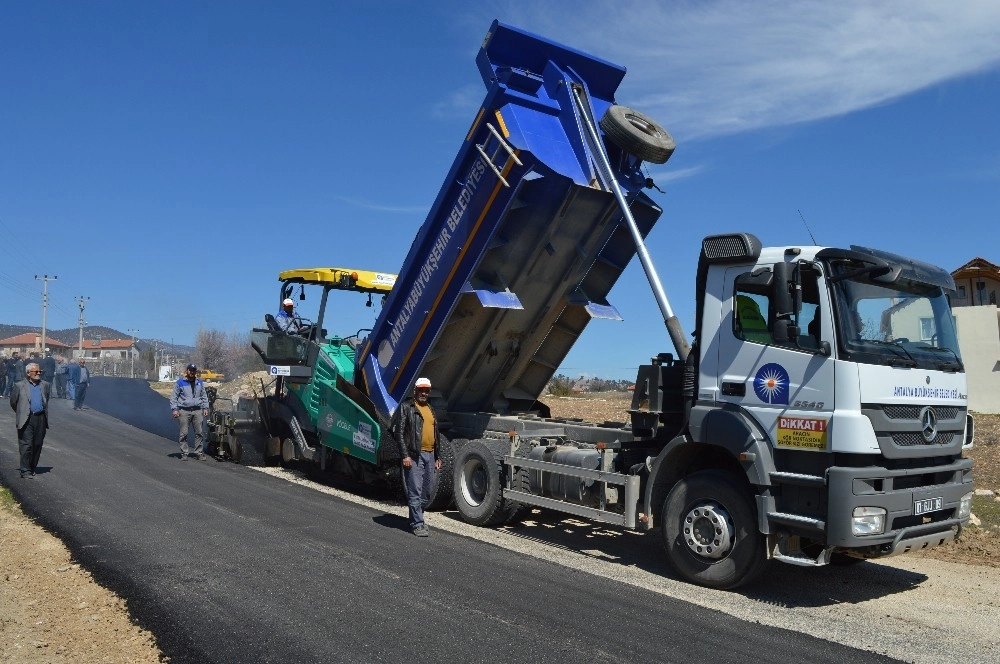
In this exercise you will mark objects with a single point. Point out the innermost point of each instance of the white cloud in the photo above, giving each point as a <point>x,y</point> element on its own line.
<point>719,67</point>
<point>461,103</point>
<point>379,207</point>
<point>662,175</point>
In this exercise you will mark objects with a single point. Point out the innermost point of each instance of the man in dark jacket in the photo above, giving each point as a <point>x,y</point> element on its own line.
<point>48,365</point>
<point>81,381</point>
<point>72,375</point>
<point>15,371</point>
<point>3,375</point>
<point>415,429</point>
<point>189,405</point>
<point>29,400</point>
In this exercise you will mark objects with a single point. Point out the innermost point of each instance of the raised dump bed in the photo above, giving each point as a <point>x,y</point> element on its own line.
<point>523,243</point>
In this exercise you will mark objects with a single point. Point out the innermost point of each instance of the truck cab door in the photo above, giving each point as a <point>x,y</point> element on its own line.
<point>788,386</point>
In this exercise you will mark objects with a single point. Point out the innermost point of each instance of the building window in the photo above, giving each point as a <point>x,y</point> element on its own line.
<point>961,291</point>
<point>926,329</point>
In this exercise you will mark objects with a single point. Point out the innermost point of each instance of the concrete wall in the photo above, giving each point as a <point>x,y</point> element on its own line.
<point>979,341</point>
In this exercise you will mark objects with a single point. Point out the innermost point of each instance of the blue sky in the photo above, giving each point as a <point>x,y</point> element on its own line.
<point>167,159</point>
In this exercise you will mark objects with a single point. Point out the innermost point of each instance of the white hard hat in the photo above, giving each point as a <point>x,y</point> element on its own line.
<point>289,302</point>
<point>423,382</point>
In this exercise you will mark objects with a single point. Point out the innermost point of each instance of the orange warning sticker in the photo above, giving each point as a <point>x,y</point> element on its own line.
<point>803,433</point>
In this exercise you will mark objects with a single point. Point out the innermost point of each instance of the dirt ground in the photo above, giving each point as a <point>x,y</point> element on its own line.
<point>52,611</point>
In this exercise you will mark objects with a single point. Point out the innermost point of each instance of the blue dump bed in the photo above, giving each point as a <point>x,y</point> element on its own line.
<point>523,242</point>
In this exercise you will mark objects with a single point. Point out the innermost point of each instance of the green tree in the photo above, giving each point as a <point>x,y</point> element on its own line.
<point>210,350</point>
<point>229,354</point>
<point>561,386</point>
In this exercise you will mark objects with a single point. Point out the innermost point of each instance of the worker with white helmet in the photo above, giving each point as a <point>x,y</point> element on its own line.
<point>287,319</point>
<point>415,429</point>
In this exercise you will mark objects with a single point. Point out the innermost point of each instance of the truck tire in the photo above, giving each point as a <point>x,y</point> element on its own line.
<point>442,490</point>
<point>638,134</point>
<point>710,531</point>
<point>478,484</point>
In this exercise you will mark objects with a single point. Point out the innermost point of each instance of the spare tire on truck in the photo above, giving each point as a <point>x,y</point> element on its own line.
<point>638,134</point>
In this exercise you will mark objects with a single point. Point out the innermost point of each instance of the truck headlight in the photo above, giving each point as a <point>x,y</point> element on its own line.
<point>965,506</point>
<point>868,521</point>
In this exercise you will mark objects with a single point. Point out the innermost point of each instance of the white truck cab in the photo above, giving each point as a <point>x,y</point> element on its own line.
<point>834,377</point>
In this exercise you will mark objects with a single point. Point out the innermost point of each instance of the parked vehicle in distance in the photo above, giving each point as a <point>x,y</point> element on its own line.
<point>208,374</point>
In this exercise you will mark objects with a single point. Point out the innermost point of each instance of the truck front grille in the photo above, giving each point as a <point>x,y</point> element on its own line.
<point>895,412</point>
<point>900,429</point>
<point>911,439</point>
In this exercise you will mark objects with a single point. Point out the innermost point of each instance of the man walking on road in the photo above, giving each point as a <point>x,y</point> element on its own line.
<point>72,373</point>
<point>15,372</point>
<point>80,385</point>
<point>416,431</point>
<point>62,378</point>
<point>48,365</point>
<point>189,405</point>
<point>29,399</point>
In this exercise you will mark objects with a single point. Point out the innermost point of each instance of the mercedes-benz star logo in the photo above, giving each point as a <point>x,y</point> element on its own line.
<point>928,423</point>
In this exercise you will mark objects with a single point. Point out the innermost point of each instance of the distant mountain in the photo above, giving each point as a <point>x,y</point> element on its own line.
<point>71,336</point>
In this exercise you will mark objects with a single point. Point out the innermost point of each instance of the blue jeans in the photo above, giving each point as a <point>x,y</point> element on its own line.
<point>70,390</point>
<point>80,395</point>
<point>419,480</point>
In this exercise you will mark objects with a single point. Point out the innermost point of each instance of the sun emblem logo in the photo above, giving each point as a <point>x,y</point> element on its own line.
<point>771,384</point>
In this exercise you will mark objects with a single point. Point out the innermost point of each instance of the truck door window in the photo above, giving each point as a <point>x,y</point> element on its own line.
<point>754,311</point>
<point>749,318</point>
<point>809,322</point>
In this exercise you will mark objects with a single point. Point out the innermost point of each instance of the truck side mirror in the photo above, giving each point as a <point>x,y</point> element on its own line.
<point>785,331</point>
<point>784,285</point>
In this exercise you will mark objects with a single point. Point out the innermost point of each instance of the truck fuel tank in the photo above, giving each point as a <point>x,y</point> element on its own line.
<point>563,487</point>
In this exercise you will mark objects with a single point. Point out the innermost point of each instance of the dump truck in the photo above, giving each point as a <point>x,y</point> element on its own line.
<point>817,414</point>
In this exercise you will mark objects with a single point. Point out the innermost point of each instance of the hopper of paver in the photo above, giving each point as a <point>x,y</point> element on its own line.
<point>522,245</point>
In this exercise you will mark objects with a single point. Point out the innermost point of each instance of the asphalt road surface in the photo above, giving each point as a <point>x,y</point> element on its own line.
<point>228,564</point>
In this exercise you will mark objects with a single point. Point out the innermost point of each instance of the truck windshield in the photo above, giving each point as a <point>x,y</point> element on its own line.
<point>904,323</point>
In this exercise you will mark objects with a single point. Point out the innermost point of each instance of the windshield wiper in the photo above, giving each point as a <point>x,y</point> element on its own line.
<point>946,366</point>
<point>901,359</point>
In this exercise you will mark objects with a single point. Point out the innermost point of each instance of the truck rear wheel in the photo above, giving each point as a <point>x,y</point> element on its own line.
<point>710,531</point>
<point>478,484</point>
<point>637,134</point>
<point>442,491</point>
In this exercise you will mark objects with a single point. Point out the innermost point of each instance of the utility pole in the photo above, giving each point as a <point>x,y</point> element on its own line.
<point>82,299</point>
<point>45,301</point>
<point>132,350</point>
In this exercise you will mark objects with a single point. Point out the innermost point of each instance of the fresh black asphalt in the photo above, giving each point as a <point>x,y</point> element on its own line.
<point>225,564</point>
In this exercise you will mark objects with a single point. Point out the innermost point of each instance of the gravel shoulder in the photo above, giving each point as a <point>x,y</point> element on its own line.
<point>51,610</point>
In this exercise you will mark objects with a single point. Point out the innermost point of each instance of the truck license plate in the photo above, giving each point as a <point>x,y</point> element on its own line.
<point>929,505</point>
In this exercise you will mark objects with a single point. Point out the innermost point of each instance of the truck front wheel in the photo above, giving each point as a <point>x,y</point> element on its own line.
<point>710,531</point>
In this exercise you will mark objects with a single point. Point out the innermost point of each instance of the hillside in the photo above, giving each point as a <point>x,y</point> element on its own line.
<point>71,336</point>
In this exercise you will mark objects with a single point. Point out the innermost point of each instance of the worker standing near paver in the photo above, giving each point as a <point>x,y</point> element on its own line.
<point>189,405</point>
